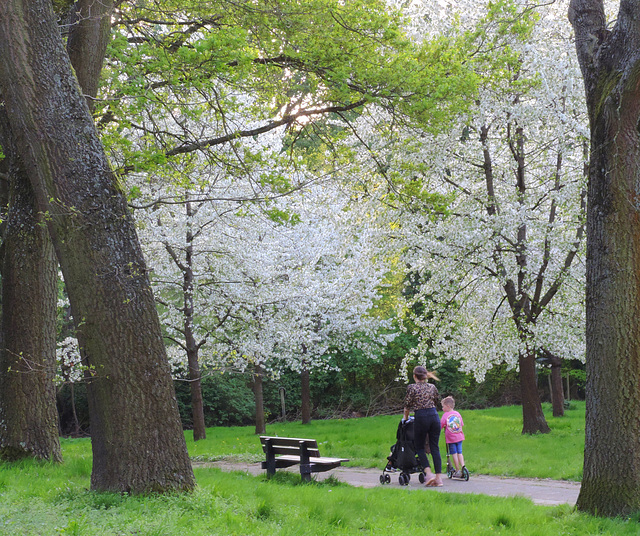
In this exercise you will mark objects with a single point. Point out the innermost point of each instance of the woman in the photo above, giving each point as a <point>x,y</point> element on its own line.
<point>422,398</point>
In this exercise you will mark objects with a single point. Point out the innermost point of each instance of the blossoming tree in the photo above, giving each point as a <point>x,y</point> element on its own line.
<point>500,248</point>
<point>262,286</point>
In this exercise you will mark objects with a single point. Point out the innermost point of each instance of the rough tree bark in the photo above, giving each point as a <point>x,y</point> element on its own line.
<point>610,63</point>
<point>30,423</point>
<point>87,43</point>
<point>28,413</point>
<point>137,439</point>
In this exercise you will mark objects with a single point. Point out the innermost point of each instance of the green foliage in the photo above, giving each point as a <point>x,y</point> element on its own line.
<point>228,400</point>
<point>282,216</point>
<point>65,411</point>
<point>501,386</point>
<point>230,64</point>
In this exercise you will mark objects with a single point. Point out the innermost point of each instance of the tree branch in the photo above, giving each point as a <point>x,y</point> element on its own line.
<point>589,23</point>
<point>286,120</point>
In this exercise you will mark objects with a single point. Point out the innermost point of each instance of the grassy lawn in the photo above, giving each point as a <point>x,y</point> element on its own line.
<point>494,444</point>
<point>44,499</point>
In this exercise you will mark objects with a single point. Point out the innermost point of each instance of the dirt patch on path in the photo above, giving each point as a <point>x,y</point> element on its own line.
<point>540,491</point>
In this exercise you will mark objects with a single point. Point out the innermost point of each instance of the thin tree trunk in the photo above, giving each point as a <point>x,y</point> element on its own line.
<point>305,391</point>
<point>195,383</point>
<point>74,413</point>
<point>532,417</point>
<point>137,438</point>
<point>258,393</point>
<point>557,392</point>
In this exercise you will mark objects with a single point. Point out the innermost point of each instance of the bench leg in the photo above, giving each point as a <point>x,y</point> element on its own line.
<point>305,465</point>
<point>305,472</point>
<point>271,459</point>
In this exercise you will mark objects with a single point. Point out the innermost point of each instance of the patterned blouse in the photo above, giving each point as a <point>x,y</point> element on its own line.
<point>421,395</point>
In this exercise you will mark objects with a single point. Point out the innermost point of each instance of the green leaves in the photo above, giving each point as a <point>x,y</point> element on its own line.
<point>236,83</point>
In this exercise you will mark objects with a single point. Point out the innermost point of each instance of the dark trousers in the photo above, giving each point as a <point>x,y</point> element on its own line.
<point>427,422</point>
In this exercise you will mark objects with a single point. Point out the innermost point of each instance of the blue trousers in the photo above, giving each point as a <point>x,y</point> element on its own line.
<point>427,422</point>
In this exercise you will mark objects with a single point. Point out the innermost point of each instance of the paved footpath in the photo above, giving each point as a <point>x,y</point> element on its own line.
<point>540,491</point>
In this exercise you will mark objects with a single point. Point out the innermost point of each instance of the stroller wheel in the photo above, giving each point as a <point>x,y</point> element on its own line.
<point>387,479</point>
<point>403,479</point>
<point>382,479</point>
<point>421,477</point>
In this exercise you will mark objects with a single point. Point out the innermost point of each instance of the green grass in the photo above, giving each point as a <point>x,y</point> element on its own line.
<point>46,499</point>
<point>494,444</point>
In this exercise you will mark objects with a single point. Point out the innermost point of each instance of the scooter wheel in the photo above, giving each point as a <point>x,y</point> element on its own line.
<point>465,474</point>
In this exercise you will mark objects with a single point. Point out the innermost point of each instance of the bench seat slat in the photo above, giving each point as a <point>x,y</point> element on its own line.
<point>312,459</point>
<point>280,464</point>
<point>293,450</point>
<point>289,441</point>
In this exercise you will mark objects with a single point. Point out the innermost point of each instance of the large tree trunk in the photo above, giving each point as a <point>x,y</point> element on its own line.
<point>28,412</point>
<point>532,417</point>
<point>610,63</point>
<point>30,278</point>
<point>137,439</point>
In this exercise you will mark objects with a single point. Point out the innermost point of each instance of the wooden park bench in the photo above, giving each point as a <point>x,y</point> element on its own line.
<point>288,451</point>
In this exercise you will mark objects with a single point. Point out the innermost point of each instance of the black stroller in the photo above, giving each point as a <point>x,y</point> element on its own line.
<point>403,457</point>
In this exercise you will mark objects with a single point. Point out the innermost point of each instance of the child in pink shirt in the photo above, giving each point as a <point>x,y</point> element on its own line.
<point>452,423</point>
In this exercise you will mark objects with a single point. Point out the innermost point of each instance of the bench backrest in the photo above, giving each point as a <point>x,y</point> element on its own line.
<point>290,445</point>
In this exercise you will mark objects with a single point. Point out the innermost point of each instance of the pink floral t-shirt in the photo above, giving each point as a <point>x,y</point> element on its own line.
<point>452,423</point>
